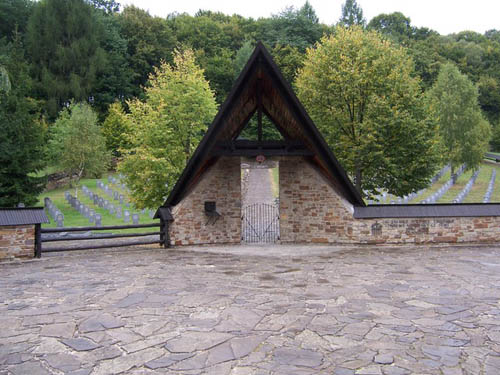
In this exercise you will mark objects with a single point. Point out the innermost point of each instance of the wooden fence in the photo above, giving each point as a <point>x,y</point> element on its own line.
<point>40,240</point>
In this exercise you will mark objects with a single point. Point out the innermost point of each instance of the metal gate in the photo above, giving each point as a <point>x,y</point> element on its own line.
<point>260,223</point>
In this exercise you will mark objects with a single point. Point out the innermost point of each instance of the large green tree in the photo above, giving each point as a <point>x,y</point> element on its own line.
<point>76,144</point>
<point>361,92</point>
<point>63,41</point>
<point>165,128</point>
<point>22,134</point>
<point>454,105</point>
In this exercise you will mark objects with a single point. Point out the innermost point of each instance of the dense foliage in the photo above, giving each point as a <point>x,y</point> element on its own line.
<point>76,144</point>
<point>165,128</point>
<point>22,133</point>
<point>464,130</point>
<point>97,52</point>
<point>360,92</point>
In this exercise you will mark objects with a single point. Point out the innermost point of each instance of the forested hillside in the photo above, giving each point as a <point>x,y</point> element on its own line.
<point>98,52</point>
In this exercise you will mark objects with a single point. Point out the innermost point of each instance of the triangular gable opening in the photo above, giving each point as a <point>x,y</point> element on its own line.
<point>266,131</point>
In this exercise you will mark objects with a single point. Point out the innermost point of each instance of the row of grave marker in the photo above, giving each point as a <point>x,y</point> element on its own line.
<point>382,198</point>
<point>443,189</point>
<point>116,195</point>
<point>491,185</point>
<point>110,207</point>
<point>465,191</point>
<point>54,212</point>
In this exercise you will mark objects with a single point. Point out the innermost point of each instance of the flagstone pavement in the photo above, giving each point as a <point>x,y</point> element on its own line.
<point>253,310</point>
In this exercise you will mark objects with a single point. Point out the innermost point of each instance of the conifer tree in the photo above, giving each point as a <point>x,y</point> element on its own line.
<point>22,134</point>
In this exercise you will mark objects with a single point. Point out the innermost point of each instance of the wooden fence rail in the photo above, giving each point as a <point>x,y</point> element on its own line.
<point>39,240</point>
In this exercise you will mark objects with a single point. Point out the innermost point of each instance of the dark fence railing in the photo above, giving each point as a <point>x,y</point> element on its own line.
<point>40,240</point>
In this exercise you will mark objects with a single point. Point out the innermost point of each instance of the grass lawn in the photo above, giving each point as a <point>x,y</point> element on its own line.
<point>72,218</point>
<point>455,189</point>
<point>479,188</point>
<point>275,181</point>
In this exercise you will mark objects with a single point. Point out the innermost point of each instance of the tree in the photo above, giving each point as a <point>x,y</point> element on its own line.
<point>241,58</point>
<point>14,15</point>
<point>352,14</point>
<point>395,25</point>
<point>298,28</point>
<point>107,6</point>
<point>22,134</point>
<point>289,59</point>
<point>149,41</point>
<point>361,93</point>
<point>464,131</point>
<point>63,41</point>
<point>114,80</point>
<point>115,129</point>
<point>76,144</point>
<point>165,128</point>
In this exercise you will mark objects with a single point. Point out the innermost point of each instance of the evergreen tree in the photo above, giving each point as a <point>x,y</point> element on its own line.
<point>14,15</point>
<point>22,134</point>
<point>352,14</point>
<point>114,80</point>
<point>63,41</point>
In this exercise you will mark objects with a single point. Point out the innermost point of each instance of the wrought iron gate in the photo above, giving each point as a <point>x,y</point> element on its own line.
<point>260,223</point>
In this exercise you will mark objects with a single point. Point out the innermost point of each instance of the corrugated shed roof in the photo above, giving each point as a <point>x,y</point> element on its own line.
<point>22,216</point>
<point>427,210</point>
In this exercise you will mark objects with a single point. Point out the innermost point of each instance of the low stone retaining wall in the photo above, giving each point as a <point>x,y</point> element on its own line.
<point>313,212</point>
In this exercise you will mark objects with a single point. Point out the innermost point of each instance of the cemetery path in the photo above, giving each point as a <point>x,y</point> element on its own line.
<point>259,187</point>
<point>230,310</point>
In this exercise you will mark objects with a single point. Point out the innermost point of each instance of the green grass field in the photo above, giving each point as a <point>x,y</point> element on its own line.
<point>72,218</point>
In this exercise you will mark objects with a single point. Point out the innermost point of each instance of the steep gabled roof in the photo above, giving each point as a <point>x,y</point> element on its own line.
<point>261,85</point>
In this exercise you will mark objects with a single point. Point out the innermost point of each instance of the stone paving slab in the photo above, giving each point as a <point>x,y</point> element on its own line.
<point>254,310</point>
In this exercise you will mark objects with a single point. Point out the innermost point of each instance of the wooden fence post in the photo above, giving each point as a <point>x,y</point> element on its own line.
<point>162,232</point>
<point>38,240</point>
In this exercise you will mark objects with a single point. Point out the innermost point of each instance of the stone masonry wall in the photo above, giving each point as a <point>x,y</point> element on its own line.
<point>222,184</point>
<point>311,211</point>
<point>17,242</point>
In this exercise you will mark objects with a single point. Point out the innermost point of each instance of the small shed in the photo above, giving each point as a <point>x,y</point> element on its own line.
<point>19,229</point>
